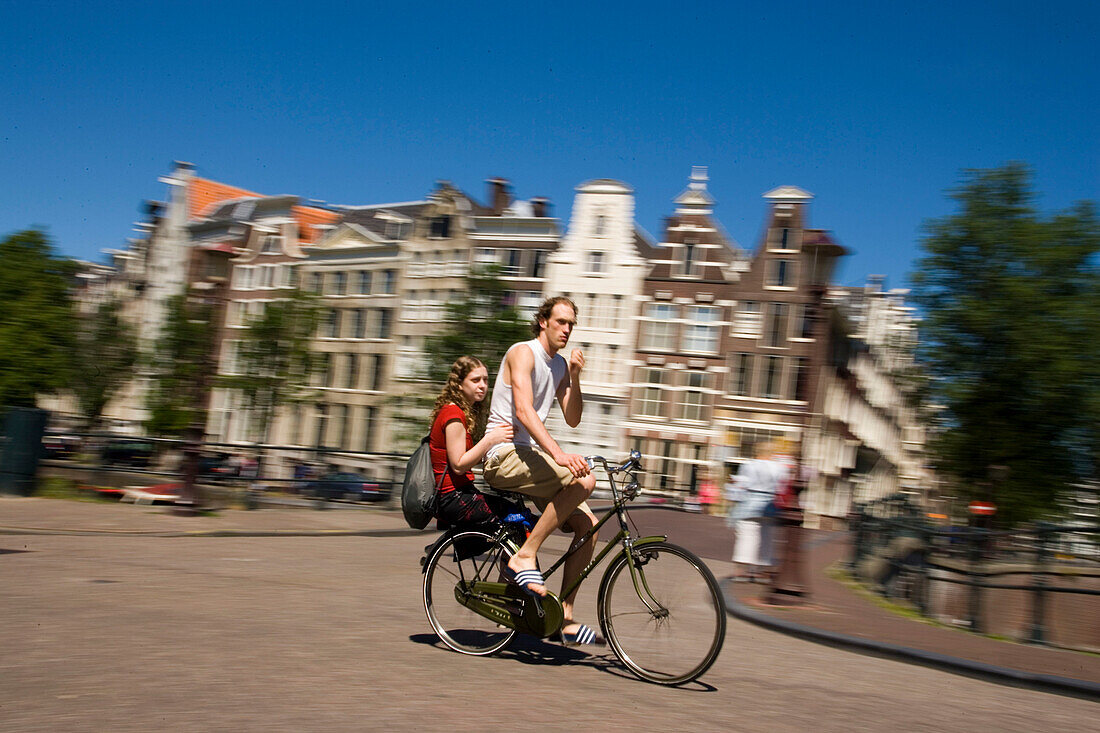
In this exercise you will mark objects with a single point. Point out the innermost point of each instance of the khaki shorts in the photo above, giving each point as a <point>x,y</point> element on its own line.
<point>526,470</point>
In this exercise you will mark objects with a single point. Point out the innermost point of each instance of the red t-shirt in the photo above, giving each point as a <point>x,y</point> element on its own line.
<point>438,445</point>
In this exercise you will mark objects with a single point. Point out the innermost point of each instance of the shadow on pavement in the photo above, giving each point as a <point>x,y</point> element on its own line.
<point>530,650</point>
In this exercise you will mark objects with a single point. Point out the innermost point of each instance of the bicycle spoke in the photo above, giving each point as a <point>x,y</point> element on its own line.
<point>677,639</point>
<point>464,559</point>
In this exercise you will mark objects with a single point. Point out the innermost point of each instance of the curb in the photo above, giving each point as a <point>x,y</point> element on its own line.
<point>957,665</point>
<point>215,532</point>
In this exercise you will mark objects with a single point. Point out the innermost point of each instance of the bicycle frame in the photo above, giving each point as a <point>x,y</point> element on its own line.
<point>622,538</point>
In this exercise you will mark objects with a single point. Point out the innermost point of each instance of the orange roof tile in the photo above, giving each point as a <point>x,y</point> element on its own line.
<point>307,217</point>
<point>201,193</point>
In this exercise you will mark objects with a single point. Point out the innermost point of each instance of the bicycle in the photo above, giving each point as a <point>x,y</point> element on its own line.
<point>658,606</point>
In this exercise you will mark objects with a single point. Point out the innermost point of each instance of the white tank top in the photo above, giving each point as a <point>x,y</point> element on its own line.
<point>547,374</point>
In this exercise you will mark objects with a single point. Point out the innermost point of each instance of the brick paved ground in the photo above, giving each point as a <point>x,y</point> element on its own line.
<point>120,631</point>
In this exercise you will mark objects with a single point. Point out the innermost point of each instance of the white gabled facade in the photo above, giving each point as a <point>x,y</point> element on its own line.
<point>599,265</point>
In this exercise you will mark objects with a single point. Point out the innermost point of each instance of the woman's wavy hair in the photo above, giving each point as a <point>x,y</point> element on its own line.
<point>452,392</point>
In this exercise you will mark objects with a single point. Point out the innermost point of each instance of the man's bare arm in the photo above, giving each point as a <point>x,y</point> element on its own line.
<point>569,391</point>
<point>520,364</point>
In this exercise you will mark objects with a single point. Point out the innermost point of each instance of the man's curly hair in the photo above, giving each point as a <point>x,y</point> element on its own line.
<point>543,313</point>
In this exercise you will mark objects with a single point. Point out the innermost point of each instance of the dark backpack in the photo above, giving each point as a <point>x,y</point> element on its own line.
<point>420,489</point>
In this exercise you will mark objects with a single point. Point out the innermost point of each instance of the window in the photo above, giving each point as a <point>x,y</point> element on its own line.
<point>688,262</point>
<point>807,321</point>
<point>242,277</point>
<point>272,245</point>
<point>746,319</point>
<point>651,402</point>
<point>666,467</point>
<point>616,311</point>
<point>484,256</point>
<point>600,228</point>
<point>230,358</point>
<point>364,282</point>
<point>749,438</point>
<point>776,331</point>
<point>773,377</point>
<point>780,274</point>
<point>322,423</point>
<point>512,268</point>
<point>385,320</point>
<point>594,263</point>
<point>315,280</point>
<point>376,379</point>
<point>265,276</point>
<point>368,428</point>
<point>339,283</point>
<point>353,372</point>
<point>693,399</point>
<point>784,238</point>
<point>360,323</point>
<point>440,227</point>
<point>332,323</point>
<point>343,427</point>
<point>701,333</point>
<point>741,374</point>
<point>389,282</point>
<point>233,313</point>
<point>800,377</point>
<point>659,330</point>
<point>398,230</point>
<point>538,263</point>
<point>291,276</point>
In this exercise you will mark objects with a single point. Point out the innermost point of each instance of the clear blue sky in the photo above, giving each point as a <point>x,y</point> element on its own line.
<point>872,107</point>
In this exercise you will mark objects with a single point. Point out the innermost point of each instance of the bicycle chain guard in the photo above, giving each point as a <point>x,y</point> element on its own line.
<point>509,606</point>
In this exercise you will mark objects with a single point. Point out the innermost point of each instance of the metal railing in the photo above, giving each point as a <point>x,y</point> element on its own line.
<point>111,458</point>
<point>1036,584</point>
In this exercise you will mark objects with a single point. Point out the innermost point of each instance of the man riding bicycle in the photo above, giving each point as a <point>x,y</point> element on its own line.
<point>531,375</point>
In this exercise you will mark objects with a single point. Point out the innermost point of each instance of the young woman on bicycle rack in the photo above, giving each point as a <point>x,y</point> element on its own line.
<point>457,411</point>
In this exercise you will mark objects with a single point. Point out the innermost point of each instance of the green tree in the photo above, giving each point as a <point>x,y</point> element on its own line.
<point>36,318</point>
<point>105,352</point>
<point>483,322</point>
<point>1012,319</point>
<point>274,359</point>
<point>182,366</point>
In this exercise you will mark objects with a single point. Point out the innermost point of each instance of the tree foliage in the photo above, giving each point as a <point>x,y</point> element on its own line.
<point>1011,333</point>
<point>182,366</point>
<point>36,318</point>
<point>483,322</point>
<point>274,359</point>
<point>106,351</point>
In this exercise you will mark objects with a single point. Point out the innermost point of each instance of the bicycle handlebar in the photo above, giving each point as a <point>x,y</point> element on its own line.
<point>634,462</point>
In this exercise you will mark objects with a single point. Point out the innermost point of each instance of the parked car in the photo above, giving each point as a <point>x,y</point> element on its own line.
<point>217,466</point>
<point>60,446</point>
<point>128,452</point>
<point>348,486</point>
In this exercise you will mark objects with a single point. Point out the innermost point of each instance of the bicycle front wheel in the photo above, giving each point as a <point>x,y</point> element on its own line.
<point>662,613</point>
<point>451,576</point>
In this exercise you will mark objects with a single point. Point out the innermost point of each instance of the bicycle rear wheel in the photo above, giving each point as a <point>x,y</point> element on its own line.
<point>665,621</point>
<point>457,563</point>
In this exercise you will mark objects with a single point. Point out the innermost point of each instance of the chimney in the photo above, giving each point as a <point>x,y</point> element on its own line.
<point>541,206</point>
<point>500,195</point>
